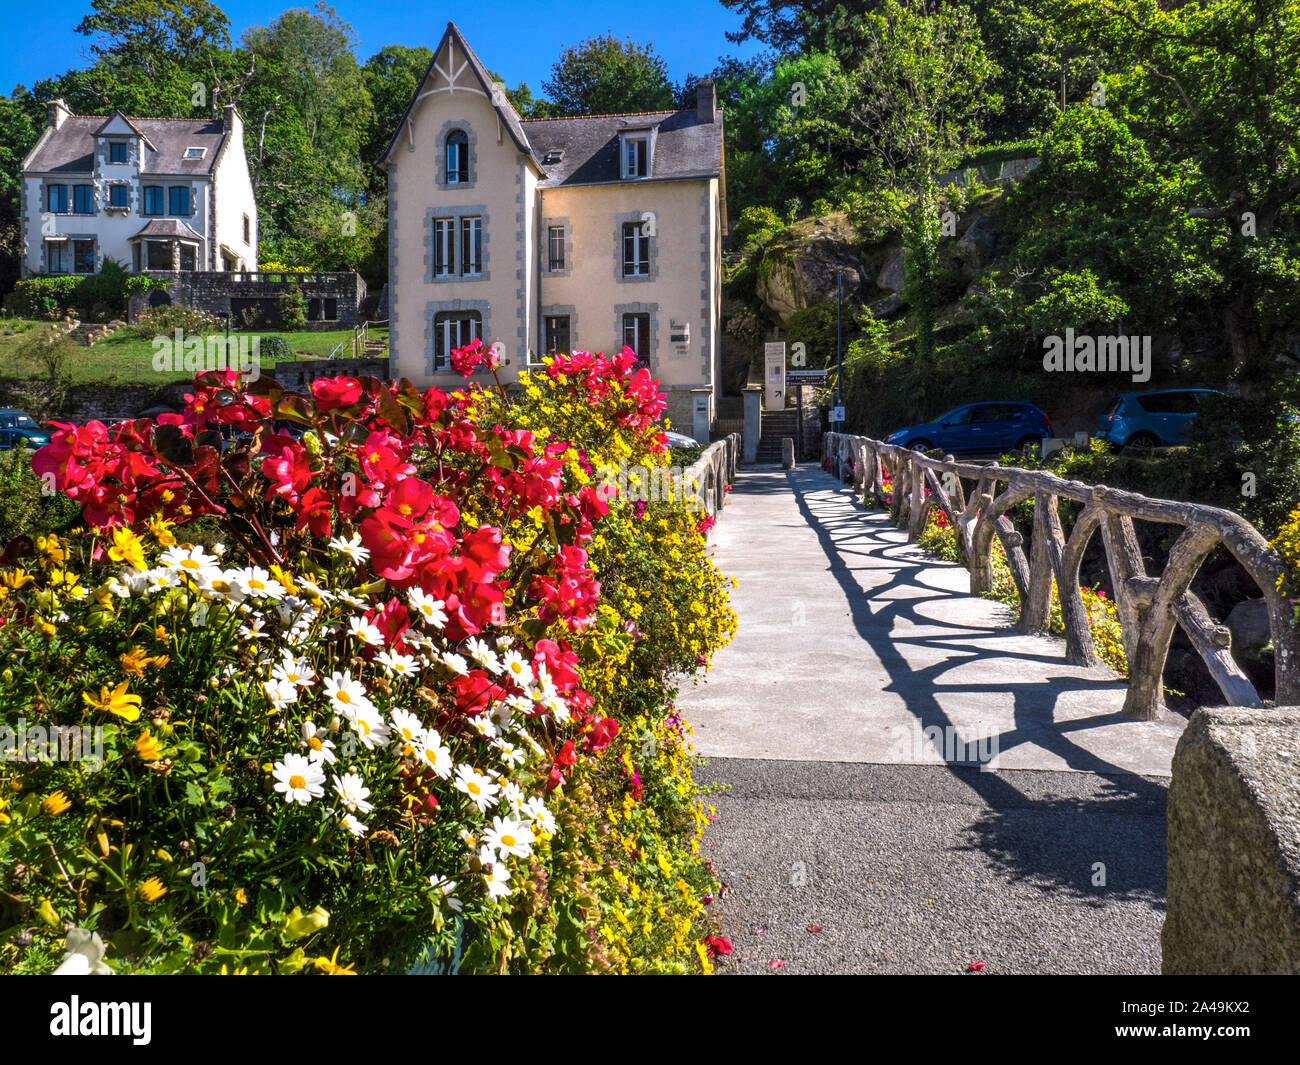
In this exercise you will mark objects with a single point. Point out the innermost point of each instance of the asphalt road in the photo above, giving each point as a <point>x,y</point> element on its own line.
<point>928,869</point>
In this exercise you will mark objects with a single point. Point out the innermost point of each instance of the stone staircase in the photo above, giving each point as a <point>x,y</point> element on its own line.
<point>774,425</point>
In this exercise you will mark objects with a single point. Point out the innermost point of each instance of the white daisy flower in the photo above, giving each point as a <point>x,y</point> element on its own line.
<point>353,825</point>
<point>510,754</point>
<point>352,793</point>
<point>496,877</point>
<point>298,779</point>
<point>366,631</point>
<point>397,665</point>
<point>408,730</point>
<point>295,671</point>
<point>427,607</point>
<point>280,693</point>
<point>504,642</point>
<point>455,663</point>
<point>320,748</point>
<point>513,798</point>
<point>369,726</point>
<point>193,561</point>
<point>259,584</point>
<point>480,789</point>
<point>351,547</point>
<point>483,655</point>
<point>557,707</point>
<point>535,809</point>
<point>435,754</point>
<point>314,590</point>
<point>506,836</point>
<point>517,668</point>
<point>254,629</point>
<point>346,695</point>
<point>353,601</point>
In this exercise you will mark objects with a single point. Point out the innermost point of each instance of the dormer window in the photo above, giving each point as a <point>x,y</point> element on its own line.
<point>553,156</point>
<point>457,157</point>
<point>636,155</point>
<point>194,153</point>
<point>117,151</point>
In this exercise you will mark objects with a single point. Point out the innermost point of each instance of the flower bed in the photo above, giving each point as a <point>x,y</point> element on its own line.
<point>378,675</point>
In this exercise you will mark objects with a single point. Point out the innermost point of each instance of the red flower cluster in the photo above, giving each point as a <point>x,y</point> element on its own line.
<point>400,468</point>
<point>473,355</point>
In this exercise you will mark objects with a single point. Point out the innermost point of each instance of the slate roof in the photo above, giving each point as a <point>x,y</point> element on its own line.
<point>167,227</point>
<point>69,149</point>
<point>685,147</point>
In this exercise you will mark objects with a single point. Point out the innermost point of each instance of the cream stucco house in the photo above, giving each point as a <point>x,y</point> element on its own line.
<point>589,233</point>
<point>154,194</point>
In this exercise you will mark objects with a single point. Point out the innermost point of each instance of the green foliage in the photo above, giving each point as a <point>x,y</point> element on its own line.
<point>606,76</point>
<point>24,509</point>
<point>275,348</point>
<point>42,297</point>
<point>293,309</point>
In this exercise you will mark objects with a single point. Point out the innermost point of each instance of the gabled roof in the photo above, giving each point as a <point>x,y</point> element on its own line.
<point>685,147</point>
<point>70,148</point>
<point>466,58</point>
<point>121,120</point>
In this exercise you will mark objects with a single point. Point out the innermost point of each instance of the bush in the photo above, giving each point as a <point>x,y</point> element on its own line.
<point>293,311</point>
<point>166,320</point>
<point>42,297</point>
<point>275,349</point>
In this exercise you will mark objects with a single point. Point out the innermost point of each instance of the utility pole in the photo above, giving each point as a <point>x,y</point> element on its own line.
<point>839,345</point>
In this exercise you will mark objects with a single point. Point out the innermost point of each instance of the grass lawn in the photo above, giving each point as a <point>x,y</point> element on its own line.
<point>124,359</point>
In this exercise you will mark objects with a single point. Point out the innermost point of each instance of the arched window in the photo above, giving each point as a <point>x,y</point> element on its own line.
<point>457,157</point>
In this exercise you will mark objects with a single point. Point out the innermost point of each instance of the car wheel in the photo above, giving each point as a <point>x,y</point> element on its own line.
<point>1025,444</point>
<point>920,445</point>
<point>1143,441</point>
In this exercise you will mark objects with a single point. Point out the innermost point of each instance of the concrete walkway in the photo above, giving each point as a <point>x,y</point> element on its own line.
<point>848,718</point>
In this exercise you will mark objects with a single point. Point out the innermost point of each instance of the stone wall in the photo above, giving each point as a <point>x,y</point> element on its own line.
<point>104,403</point>
<point>221,293</point>
<point>298,375</point>
<point>1234,845</point>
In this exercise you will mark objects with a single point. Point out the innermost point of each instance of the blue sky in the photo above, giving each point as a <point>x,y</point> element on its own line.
<point>518,39</point>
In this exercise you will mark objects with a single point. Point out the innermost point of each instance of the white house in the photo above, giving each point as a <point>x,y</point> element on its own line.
<point>150,193</point>
<point>593,232</point>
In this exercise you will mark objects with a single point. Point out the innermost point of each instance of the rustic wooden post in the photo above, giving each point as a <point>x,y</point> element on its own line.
<point>1146,668</point>
<point>1214,644</point>
<point>1124,561</point>
<point>1080,648</point>
<point>1036,614</point>
<point>916,508</point>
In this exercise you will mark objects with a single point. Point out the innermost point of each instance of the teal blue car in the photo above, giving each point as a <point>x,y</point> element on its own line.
<point>20,429</point>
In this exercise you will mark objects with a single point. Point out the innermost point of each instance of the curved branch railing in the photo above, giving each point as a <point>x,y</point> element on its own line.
<point>1148,606</point>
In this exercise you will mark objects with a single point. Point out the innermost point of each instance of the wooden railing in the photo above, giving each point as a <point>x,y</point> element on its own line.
<point>1148,606</point>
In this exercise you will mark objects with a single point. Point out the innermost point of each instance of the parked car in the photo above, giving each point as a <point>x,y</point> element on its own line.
<point>1152,419</point>
<point>19,429</point>
<point>978,428</point>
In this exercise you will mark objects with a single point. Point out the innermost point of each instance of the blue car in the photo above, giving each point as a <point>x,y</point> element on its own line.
<point>978,429</point>
<point>1152,419</point>
<point>19,429</point>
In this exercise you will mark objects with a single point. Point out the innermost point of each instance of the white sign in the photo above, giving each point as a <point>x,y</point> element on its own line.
<point>837,414</point>
<point>774,375</point>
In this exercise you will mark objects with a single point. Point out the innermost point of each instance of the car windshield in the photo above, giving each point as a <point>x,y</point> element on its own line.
<point>24,421</point>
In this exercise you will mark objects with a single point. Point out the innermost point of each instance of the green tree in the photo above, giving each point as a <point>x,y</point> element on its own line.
<point>606,76</point>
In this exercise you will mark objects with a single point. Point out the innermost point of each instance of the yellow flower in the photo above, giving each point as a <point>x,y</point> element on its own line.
<point>241,896</point>
<point>15,579</point>
<point>152,889</point>
<point>160,528</point>
<point>330,966</point>
<point>147,747</point>
<point>115,702</point>
<point>127,548</point>
<point>137,660</point>
<point>55,804</point>
<point>244,971</point>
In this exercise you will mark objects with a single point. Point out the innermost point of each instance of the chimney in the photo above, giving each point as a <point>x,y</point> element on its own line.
<point>55,112</point>
<point>233,122</point>
<point>705,100</point>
